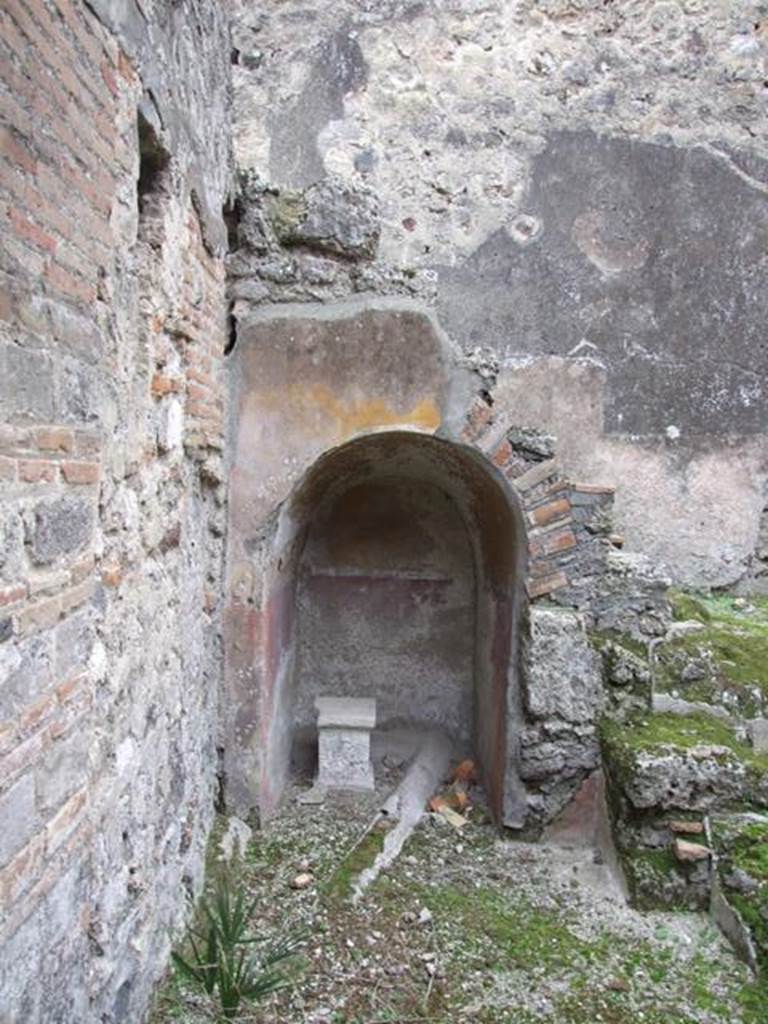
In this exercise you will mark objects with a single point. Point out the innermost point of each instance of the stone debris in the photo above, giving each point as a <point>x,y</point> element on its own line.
<point>235,839</point>
<point>687,827</point>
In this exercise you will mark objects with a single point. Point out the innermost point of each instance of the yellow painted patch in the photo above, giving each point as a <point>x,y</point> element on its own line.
<point>353,417</point>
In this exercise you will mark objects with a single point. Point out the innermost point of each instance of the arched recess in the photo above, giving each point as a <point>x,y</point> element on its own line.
<point>383,522</point>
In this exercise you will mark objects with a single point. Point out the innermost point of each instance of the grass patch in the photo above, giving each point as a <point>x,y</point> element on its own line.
<point>340,883</point>
<point>743,847</point>
<point>505,933</point>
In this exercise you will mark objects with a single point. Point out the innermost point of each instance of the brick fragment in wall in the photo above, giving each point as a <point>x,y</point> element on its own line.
<point>546,584</point>
<point>553,542</point>
<point>536,475</point>
<point>550,512</point>
<point>18,817</point>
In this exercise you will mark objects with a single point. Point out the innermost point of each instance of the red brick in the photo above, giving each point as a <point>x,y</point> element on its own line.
<point>86,30</point>
<point>111,575</point>
<point>594,488</point>
<point>503,454</point>
<point>56,49</point>
<point>200,377</point>
<point>479,418</point>
<point>68,284</point>
<point>76,262</point>
<point>35,471</point>
<point>81,472</point>
<point>41,615</point>
<point>26,753</point>
<point>196,393</point>
<point>16,151</point>
<point>65,820</point>
<point>550,512</point>
<point>162,385</point>
<point>125,68</point>
<point>30,232</point>
<point>69,688</point>
<point>22,870</point>
<point>203,410</point>
<point>546,584</point>
<point>76,596</point>
<point>89,212</point>
<point>55,439</point>
<point>109,79</point>
<point>552,543</point>
<point>38,712</point>
<point>46,583</point>
<point>12,595</point>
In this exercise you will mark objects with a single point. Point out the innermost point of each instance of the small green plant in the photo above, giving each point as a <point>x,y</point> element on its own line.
<point>223,960</point>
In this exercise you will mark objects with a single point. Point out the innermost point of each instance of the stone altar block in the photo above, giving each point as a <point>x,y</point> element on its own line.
<point>344,740</point>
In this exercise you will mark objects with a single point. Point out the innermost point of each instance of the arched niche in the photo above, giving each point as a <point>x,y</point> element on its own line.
<point>397,571</point>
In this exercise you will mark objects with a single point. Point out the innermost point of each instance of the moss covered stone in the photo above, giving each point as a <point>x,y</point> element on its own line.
<point>742,846</point>
<point>692,762</point>
<point>657,880</point>
<point>725,662</point>
<point>286,212</point>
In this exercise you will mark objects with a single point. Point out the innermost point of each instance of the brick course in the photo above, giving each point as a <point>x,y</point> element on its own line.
<point>82,482</point>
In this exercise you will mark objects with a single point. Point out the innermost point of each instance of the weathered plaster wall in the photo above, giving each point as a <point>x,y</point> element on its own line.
<point>112,325</point>
<point>303,380</point>
<point>580,189</point>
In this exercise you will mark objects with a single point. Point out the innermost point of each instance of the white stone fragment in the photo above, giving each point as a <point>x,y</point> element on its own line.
<point>758,733</point>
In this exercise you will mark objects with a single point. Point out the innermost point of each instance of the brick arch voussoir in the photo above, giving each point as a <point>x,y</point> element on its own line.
<point>568,524</point>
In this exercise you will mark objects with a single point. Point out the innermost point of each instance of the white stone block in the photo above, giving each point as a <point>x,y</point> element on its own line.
<point>344,742</point>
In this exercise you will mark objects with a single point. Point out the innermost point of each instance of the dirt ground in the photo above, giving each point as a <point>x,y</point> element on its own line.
<point>466,927</point>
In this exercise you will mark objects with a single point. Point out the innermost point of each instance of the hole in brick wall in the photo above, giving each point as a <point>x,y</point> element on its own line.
<point>154,163</point>
<point>230,213</point>
<point>221,782</point>
<point>231,332</point>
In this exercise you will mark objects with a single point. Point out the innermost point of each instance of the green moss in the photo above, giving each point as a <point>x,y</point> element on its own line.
<point>750,850</point>
<point>732,649</point>
<point>742,845</point>
<point>657,881</point>
<point>660,734</point>
<point>681,732</point>
<point>339,885</point>
<point>753,910</point>
<point>601,638</point>
<point>286,211</point>
<point>510,933</point>
<point>687,607</point>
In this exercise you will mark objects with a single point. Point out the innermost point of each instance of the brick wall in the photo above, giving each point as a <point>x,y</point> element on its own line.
<point>112,326</point>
